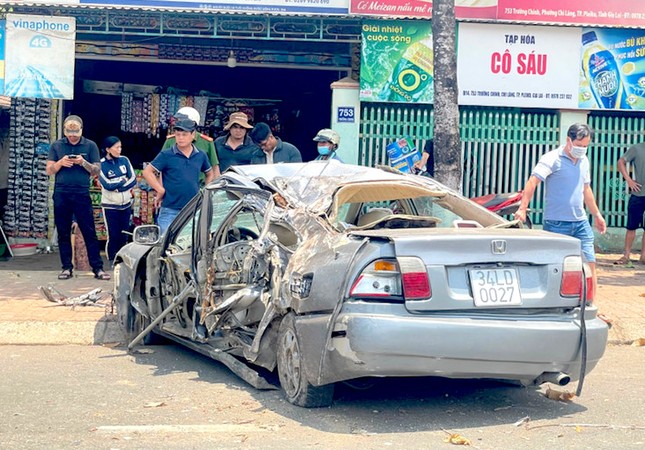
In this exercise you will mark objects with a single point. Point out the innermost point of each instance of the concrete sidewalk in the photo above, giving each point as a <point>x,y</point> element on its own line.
<point>27,318</point>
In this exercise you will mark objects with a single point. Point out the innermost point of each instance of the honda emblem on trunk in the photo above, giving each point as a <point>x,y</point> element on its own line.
<point>499,247</point>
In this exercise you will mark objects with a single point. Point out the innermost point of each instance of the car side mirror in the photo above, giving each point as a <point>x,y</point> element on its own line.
<point>146,234</point>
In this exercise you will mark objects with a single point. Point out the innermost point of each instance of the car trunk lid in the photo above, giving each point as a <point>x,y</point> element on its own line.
<point>486,268</point>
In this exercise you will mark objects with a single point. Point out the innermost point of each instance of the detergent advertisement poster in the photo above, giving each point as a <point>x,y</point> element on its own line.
<point>402,154</point>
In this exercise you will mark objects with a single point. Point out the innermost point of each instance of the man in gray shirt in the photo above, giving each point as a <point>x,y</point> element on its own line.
<point>636,206</point>
<point>273,149</point>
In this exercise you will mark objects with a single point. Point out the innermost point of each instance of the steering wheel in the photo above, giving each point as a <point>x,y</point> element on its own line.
<point>235,234</point>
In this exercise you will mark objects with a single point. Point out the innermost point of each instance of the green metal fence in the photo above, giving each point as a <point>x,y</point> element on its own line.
<point>615,133</point>
<point>499,146</point>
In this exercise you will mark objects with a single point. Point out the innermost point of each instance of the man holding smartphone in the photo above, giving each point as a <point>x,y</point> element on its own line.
<point>72,160</point>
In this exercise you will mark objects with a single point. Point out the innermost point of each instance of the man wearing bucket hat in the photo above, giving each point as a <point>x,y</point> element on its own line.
<point>235,148</point>
<point>179,167</point>
<point>72,160</point>
<point>202,141</point>
<point>328,141</point>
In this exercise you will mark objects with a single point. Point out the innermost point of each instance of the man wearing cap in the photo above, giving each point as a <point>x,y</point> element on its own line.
<point>328,141</point>
<point>235,148</point>
<point>179,167</point>
<point>72,160</point>
<point>202,141</point>
<point>274,150</point>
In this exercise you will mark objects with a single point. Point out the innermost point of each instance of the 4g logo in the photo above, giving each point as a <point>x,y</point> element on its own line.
<point>40,41</point>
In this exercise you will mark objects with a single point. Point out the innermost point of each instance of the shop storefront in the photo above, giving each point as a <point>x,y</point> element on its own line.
<point>135,66</point>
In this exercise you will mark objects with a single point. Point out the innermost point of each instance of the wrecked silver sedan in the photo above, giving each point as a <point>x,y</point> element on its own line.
<point>326,272</point>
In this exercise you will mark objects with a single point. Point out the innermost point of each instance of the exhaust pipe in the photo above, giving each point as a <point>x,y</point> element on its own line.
<point>559,378</point>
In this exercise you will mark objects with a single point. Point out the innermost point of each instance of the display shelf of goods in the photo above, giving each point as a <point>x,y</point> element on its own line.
<point>143,205</point>
<point>97,211</point>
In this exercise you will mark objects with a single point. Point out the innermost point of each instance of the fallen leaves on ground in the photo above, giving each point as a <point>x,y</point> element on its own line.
<point>640,342</point>
<point>562,396</point>
<point>456,439</point>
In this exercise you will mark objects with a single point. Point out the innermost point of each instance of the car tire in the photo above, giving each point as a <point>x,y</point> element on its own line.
<point>132,322</point>
<point>291,371</point>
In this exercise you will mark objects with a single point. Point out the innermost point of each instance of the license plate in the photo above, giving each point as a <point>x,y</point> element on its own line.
<point>495,287</point>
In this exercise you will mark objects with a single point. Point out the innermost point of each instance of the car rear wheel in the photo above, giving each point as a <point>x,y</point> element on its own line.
<point>291,370</point>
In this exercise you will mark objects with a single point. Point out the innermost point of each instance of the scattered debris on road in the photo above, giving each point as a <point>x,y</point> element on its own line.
<point>95,297</point>
<point>561,396</point>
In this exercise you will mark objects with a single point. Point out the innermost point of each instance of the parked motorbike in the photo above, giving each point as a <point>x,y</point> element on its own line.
<point>503,204</point>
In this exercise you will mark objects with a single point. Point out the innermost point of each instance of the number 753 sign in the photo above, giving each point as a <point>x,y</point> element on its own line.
<point>345,114</point>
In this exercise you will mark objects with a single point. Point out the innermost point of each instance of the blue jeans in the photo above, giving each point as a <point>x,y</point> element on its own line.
<point>165,218</point>
<point>580,229</point>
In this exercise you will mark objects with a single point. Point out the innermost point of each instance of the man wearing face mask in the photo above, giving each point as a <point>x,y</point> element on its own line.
<point>328,141</point>
<point>565,172</point>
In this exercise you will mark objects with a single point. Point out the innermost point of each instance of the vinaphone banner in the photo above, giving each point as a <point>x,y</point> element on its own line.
<point>2,34</point>
<point>397,61</point>
<point>40,56</point>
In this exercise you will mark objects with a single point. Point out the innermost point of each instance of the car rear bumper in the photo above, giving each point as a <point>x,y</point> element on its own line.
<point>369,344</point>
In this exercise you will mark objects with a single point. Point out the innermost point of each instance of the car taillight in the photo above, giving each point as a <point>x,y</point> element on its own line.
<point>406,277</point>
<point>379,279</point>
<point>416,285</point>
<point>571,277</point>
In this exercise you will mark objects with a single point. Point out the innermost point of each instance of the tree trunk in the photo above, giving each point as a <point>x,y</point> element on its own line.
<point>447,144</point>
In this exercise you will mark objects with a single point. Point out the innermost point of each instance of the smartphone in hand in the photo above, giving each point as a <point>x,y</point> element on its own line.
<point>72,156</point>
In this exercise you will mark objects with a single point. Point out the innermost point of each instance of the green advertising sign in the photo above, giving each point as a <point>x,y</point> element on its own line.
<point>397,62</point>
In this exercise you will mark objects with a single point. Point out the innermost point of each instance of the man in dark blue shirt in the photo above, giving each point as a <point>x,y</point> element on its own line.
<point>179,167</point>
<point>273,149</point>
<point>73,159</point>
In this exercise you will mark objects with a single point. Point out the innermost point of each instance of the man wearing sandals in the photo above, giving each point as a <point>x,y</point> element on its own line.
<point>636,206</point>
<point>72,160</point>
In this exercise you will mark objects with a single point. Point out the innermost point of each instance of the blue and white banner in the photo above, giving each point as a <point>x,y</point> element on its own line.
<point>268,6</point>
<point>40,56</point>
<point>2,40</point>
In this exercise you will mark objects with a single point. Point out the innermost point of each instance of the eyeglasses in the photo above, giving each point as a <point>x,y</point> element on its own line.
<point>263,143</point>
<point>70,131</point>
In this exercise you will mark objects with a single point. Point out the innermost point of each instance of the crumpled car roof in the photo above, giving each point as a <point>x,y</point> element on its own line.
<point>313,184</point>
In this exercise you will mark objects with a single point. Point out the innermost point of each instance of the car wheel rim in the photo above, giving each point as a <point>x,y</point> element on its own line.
<point>292,369</point>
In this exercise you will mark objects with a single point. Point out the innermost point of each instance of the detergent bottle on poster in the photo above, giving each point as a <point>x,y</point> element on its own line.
<point>412,75</point>
<point>602,72</point>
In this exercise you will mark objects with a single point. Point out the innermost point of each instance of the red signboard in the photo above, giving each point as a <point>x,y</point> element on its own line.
<point>583,12</point>
<point>621,13</point>
<point>464,9</point>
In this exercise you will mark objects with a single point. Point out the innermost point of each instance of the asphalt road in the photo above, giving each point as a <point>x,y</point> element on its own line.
<point>67,397</point>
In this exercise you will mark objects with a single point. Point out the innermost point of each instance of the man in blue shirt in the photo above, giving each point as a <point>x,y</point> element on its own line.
<point>565,172</point>
<point>179,167</point>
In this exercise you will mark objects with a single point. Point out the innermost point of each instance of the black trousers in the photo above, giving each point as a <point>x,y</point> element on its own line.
<point>69,205</point>
<point>116,221</point>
